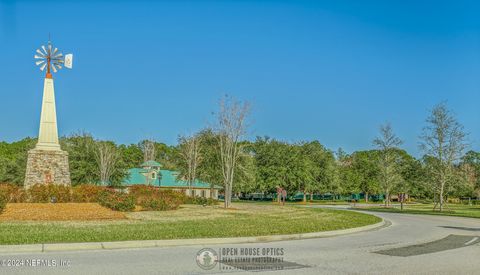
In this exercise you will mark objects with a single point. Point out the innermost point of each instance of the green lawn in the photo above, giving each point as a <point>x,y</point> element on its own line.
<point>460,210</point>
<point>327,202</point>
<point>188,222</point>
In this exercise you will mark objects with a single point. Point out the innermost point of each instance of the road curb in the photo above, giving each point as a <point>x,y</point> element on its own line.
<point>181,242</point>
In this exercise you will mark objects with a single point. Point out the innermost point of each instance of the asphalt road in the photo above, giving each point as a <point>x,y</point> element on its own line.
<point>413,244</point>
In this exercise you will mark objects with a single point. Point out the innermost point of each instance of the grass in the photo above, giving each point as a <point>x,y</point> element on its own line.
<point>460,210</point>
<point>188,222</point>
<point>315,202</point>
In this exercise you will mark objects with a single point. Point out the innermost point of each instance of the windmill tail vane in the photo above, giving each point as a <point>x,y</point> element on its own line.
<point>50,58</point>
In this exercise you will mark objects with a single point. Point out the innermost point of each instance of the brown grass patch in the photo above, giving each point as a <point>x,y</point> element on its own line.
<point>58,212</point>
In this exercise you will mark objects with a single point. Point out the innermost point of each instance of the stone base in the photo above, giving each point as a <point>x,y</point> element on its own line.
<point>47,167</point>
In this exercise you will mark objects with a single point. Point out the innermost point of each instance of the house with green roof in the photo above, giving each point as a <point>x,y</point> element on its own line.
<point>151,173</point>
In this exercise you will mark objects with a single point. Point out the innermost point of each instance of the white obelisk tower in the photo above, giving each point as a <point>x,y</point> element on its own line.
<point>47,163</point>
<point>48,134</point>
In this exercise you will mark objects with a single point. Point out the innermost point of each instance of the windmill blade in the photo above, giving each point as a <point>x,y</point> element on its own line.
<point>43,67</point>
<point>57,60</point>
<point>38,57</point>
<point>40,53</point>
<point>58,55</point>
<point>58,64</point>
<point>44,50</point>
<point>55,51</point>
<point>53,68</point>
<point>39,62</point>
<point>49,48</point>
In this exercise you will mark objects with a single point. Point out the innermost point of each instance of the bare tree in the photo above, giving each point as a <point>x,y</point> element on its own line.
<point>107,157</point>
<point>148,149</point>
<point>189,149</point>
<point>444,140</point>
<point>231,126</point>
<point>387,144</point>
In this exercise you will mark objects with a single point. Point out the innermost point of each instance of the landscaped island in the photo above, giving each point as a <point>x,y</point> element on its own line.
<point>189,221</point>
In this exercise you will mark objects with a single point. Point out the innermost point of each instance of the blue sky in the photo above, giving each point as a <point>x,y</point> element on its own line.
<point>327,70</point>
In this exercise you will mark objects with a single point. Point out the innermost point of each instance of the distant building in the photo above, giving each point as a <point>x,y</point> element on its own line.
<point>150,173</point>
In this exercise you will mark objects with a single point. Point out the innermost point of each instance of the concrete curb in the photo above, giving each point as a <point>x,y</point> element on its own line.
<point>182,242</point>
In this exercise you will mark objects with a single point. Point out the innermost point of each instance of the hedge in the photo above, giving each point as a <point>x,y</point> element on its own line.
<point>148,197</point>
<point>115,200</point>
<point>13,193</point>
<point>154,199</point>
<point>3,200</point>
<point>49,193</point>
<point>86,193</point>
<point>201,201</point>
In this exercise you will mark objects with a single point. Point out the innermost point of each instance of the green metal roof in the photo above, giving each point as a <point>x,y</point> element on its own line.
<point>151,163</point>
<point>168,179</point>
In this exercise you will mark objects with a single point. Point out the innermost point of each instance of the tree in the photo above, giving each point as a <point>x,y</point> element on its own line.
<point>108,158</point>
<point>13,160</point>
<point>411,175</point>
<point>275,163</point>
<point>319,164</point>
<point>166,155</point>
<point>387,144</point>
<point>148,149</point>
<point>231,127</point>
<point>245,174</point>
<point>443,140</point>
<point>189,157</point>
<point>361,173</point>
<point>470,164</point>
<point>209,168</point>
<point>81,156</point>
<point>132,155</point>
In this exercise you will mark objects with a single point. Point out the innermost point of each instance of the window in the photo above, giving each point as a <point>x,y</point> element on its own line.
<point>203,193</point>
<point>154,175</point>
<point>192,193</point>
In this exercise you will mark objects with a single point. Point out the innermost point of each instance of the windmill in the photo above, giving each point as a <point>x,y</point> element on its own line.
<point>47,163</point>
<point>51,58</point>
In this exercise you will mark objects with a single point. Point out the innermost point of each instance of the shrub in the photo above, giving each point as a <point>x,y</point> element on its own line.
<point>174,197</point>
<point>13,193</point>
<point>155,204</point>
<point>46,192</point>
<point>140,191</point>
<point>201,201</point>
<point>116,200</point>
<point>3,200</point>
<point>86,193</point>
<point>154,199</point>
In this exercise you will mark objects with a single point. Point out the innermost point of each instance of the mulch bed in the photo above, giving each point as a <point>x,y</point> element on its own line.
<point>58,212</point>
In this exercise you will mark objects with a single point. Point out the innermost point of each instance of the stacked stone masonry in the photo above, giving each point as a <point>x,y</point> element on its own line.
<point>47,167</point>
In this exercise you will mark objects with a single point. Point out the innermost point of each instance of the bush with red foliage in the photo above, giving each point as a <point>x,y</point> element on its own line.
<point>3,200</point>
<point>116,200</point>
<point>152,198</point>
<point>86,193</point>
<point>13,193</point>
<point>49,193</point>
